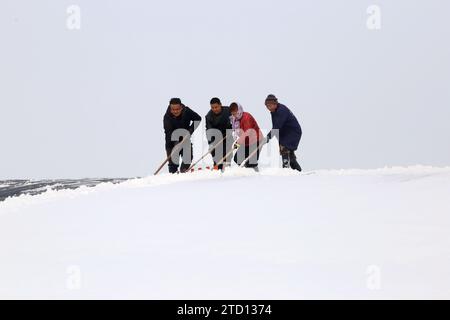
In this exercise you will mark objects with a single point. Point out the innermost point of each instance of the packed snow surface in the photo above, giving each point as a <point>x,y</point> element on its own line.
<point>276,234</point>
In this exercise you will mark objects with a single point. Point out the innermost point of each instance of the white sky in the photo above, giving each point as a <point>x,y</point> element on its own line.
<point>89,103</point>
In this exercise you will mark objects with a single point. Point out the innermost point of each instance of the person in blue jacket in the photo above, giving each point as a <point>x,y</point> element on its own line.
<point>289,131</point>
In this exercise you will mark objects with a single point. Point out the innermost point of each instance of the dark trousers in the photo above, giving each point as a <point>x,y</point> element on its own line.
<point>174,161</point>
<point>244,152</point>
<point>289,159</point>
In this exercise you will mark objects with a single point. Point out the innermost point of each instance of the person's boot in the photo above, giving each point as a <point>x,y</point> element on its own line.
<point>293,162</point>
<point>286,161</point>
<point>184,167</point>
<point>250,165</point>
<point>285,157</point>
<point>173,168</point>
<point>226,165</point>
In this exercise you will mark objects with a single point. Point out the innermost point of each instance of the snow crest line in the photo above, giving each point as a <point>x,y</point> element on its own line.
<point>16,203</point>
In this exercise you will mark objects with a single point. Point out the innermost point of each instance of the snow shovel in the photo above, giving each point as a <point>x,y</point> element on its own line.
<point>226,156</point>
<point>253,153</point>
<point>170,156</point>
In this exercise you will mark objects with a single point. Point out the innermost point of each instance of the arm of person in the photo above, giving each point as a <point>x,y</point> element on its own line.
<point>208,127</point>
<point>195,119</point>
<point>278,121</point>
<point>168,130</point>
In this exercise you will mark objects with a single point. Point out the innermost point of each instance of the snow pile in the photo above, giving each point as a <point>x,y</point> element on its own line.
<point>243,235</point>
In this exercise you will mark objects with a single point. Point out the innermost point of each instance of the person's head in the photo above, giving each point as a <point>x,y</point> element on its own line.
<point>216,105</point>
<point>236,110</point>
<point>176,107</point>
<point>271,102</point>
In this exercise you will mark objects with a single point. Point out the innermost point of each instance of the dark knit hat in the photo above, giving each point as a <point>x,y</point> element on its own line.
<point>271,98</point>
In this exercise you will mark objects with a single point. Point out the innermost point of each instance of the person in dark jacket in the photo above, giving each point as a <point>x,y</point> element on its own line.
<point>218,121</point>
<point>289,131</point>
<point>178,116</point>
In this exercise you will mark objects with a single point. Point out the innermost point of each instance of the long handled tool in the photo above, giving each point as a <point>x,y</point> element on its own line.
<point>226,156</point>
<point>253,153</point>
<point>209,151</point>
<point>171,154</point>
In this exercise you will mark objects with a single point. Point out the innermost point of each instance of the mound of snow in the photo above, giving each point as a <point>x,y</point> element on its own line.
<point>276,234</point>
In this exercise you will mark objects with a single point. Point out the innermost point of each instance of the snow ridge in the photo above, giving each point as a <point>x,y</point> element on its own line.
<point>17,203</point>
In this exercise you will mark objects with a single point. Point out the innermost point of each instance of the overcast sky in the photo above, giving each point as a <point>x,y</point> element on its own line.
<point>90,102</point>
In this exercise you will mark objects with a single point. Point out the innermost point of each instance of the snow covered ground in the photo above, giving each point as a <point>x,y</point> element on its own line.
<point>239,235</point>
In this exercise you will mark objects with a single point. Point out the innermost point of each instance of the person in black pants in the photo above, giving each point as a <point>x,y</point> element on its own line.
<point>178,116</point>
<point>218,121</point>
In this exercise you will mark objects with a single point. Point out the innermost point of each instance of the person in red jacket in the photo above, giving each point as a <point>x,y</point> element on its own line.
<point>247,134</point>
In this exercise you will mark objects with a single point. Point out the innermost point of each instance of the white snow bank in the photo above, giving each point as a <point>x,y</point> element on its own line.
<point>16,203</point>
<point>242,235</point>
